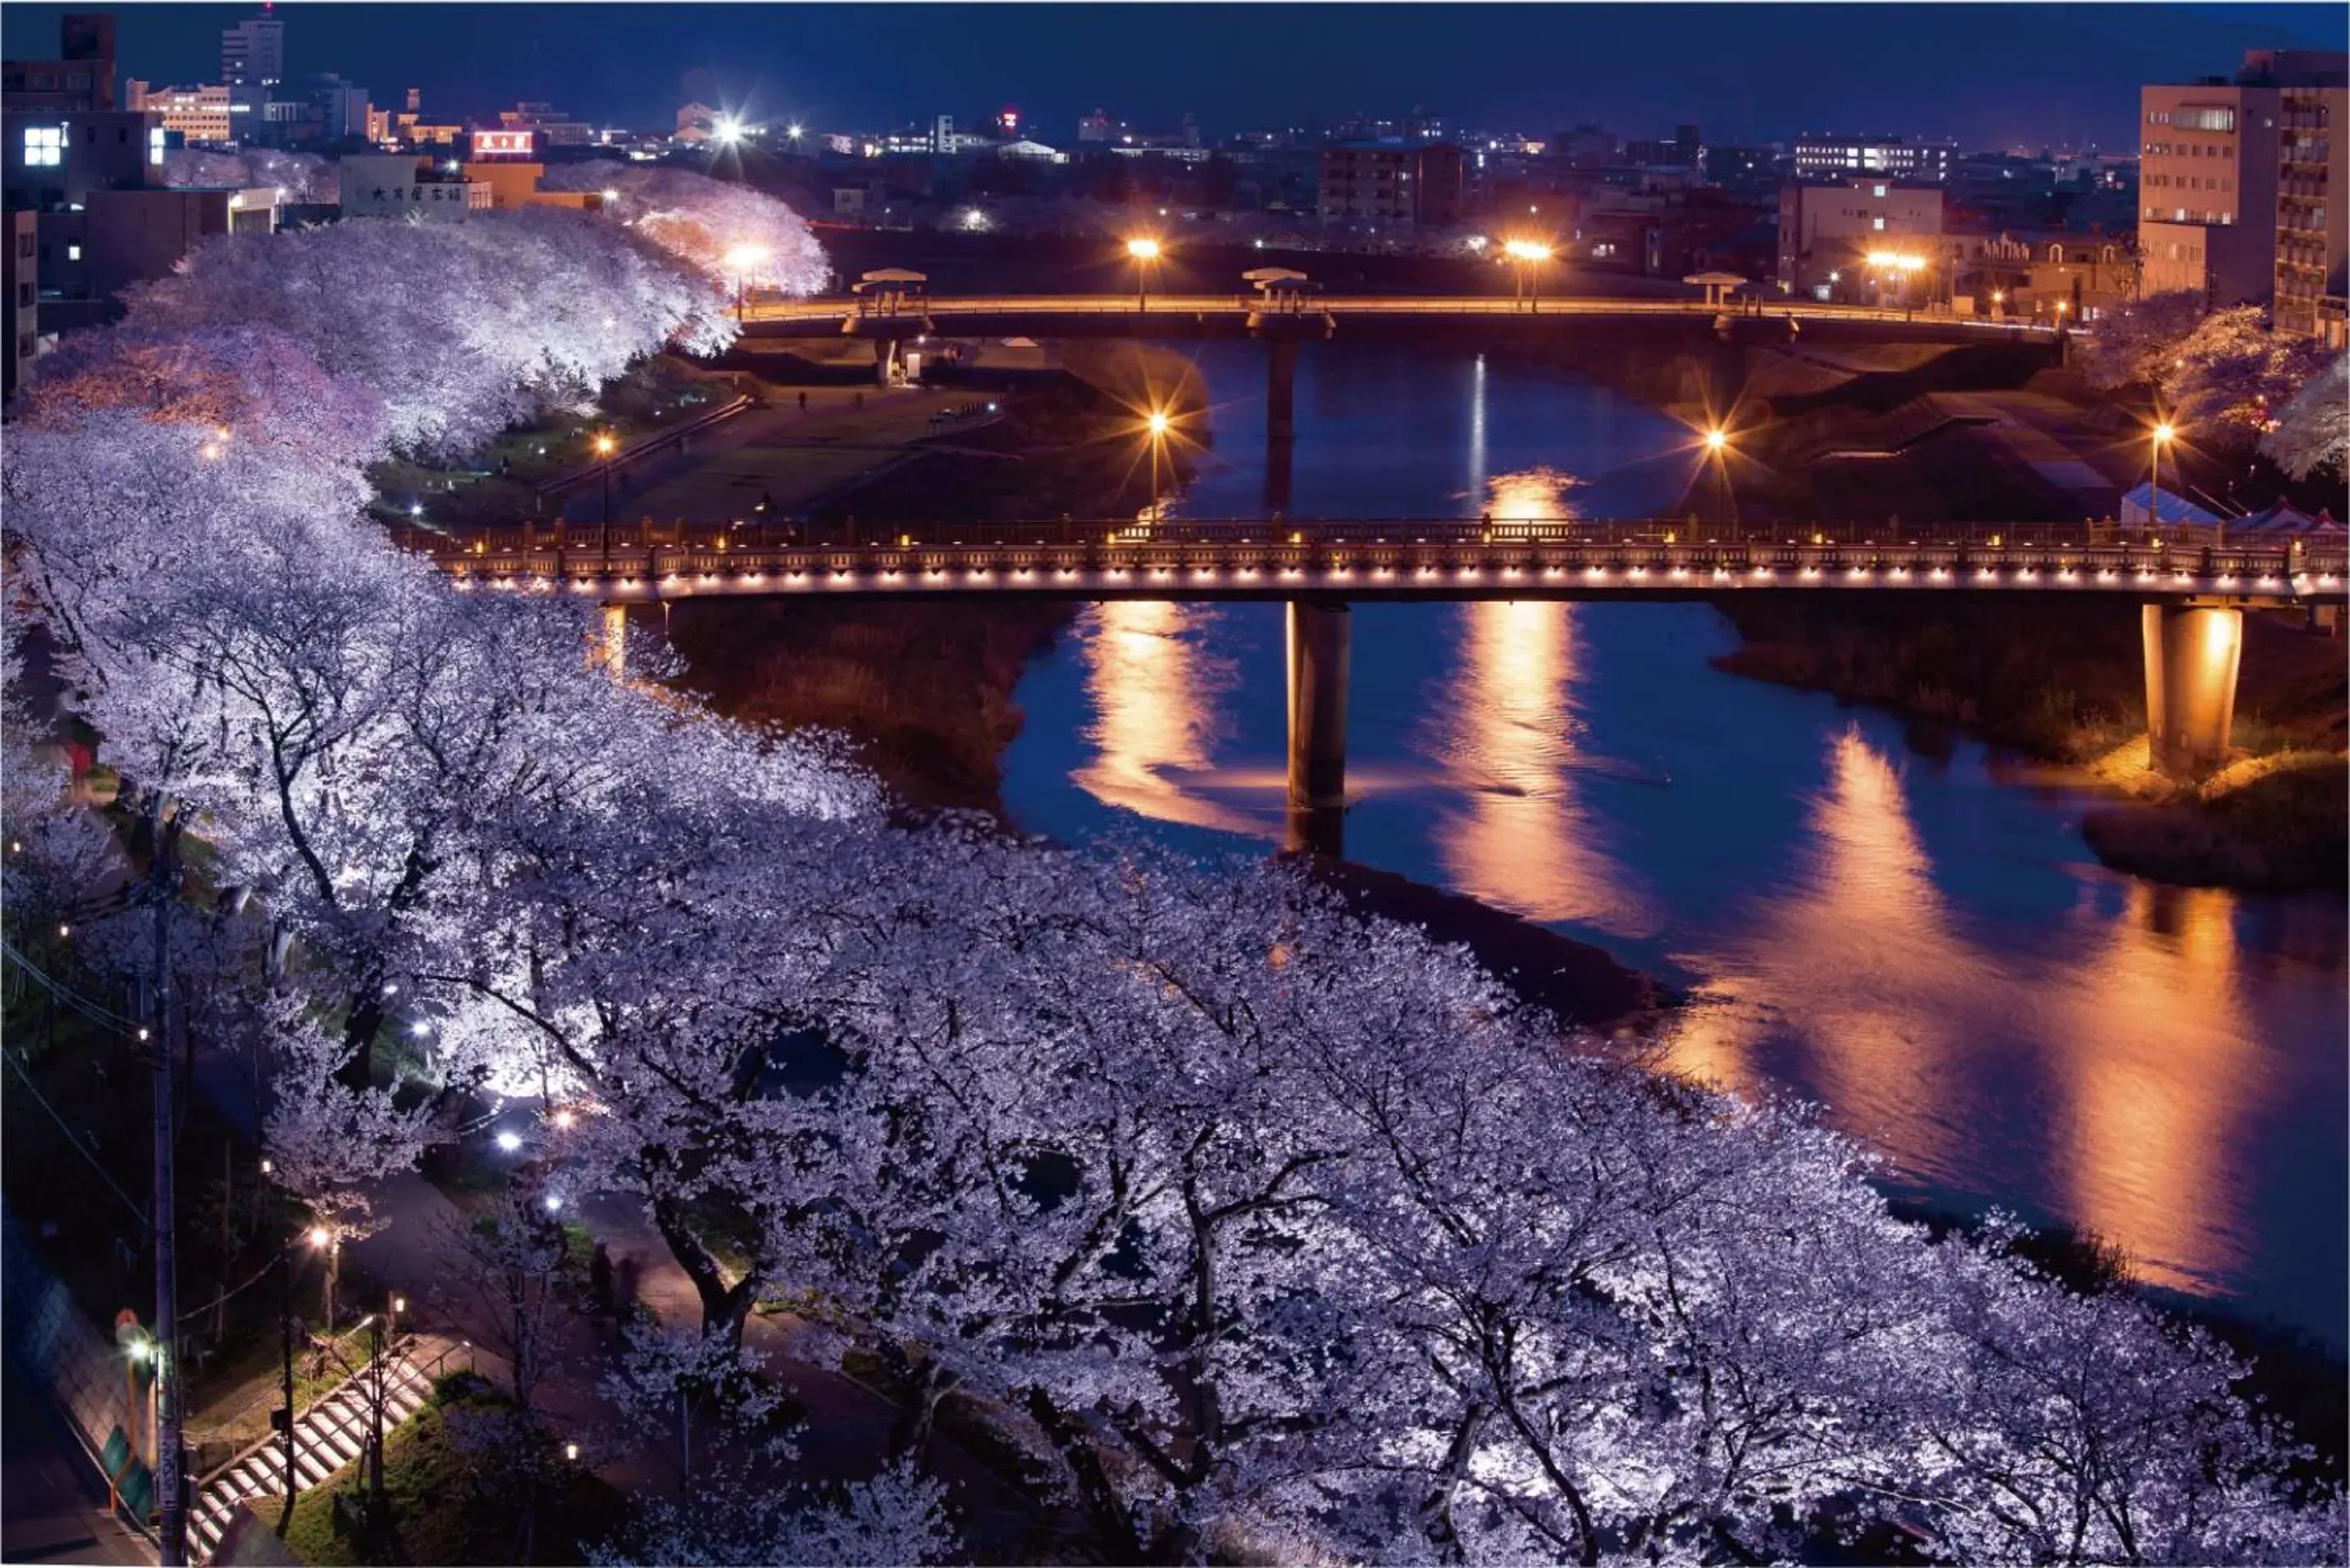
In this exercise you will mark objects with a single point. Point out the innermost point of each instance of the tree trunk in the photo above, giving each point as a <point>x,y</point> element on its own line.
<point>1094,1488</point>
<point>724,1307</point>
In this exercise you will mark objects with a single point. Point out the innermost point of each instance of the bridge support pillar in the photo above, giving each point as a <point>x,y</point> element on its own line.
<point>1321,635</point>
<point>2192,653</point>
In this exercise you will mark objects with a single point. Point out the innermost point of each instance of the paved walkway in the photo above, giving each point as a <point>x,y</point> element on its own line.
<point>848,1424</point>
<point>2044,435</point>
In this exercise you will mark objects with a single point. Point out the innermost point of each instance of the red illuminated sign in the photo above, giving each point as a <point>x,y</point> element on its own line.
<point>504,143</point>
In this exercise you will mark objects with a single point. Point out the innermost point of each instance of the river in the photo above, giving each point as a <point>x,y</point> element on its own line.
<point>1921,944</point>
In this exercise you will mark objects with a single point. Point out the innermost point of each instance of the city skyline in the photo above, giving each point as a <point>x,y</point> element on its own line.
<point>1985,76</point>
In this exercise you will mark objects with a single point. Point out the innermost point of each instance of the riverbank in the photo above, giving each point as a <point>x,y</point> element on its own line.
<point>2064,684</point>
<point>1870,433</point>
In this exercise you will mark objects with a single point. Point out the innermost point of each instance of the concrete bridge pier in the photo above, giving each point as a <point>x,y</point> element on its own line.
<point>1321,636</point>
<point>2192,653</point>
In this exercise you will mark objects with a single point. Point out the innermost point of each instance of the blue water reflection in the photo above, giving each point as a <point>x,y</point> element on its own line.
<point>1924,945</point>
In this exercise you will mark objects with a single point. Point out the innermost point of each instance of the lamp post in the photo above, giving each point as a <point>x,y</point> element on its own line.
<point>325,1241</point>
<point>605,447</point>
<point>1158,425</point>
<point>2161,436</point>
<point>742,261</point>
<point>1145,252</point>
<point>1526,257</point>
<point>1716,450</point>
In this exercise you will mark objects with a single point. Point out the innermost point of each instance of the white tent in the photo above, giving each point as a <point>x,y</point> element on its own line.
<point>2141,509</point>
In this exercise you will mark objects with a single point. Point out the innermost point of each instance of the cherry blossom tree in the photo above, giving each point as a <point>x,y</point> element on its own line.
<point>731,232</point>
<point>459,329</point>
<point>300,177</point>
<point>1249,1217</point>
<point>2312,431</point>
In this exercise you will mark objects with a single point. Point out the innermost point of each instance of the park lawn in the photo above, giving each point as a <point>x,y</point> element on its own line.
<point>440,1515</point>
<point>729,484</point>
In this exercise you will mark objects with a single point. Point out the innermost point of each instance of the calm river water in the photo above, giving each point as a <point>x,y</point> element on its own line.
<point>1925,946</point>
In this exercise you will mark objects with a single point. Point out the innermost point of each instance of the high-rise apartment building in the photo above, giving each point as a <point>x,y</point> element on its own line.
<point>2225,198</point>
<point>2313,222</point>
<point>252,64</point>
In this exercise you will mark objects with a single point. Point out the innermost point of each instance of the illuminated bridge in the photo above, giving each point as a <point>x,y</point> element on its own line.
<point>1180,315</point>
<point>2194,586</point>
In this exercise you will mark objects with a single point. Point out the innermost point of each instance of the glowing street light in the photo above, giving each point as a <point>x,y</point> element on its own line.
<point>726,130</point>
<point>2163,433</point>
<point>509,1140</point>
<point>1526,256</point>
<point>1145,253</point>
<point>1717,452</point>
<point>742,260</point>
<point>1157,426</point>
<point>605,447</point>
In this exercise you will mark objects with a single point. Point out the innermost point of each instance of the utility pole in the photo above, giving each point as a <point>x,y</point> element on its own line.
<point>285,1365</point>
<point>163,887</point>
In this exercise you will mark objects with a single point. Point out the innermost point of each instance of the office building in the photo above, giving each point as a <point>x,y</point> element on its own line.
<point>1826,234</point>
<point>553,127</point>
<point>253,54</point>
<point>1413,184</point>
<point>1822,157</point>
<point>21,281</point>
<point>80,79</point>
<point>402,186</point>
<point>197,115</point>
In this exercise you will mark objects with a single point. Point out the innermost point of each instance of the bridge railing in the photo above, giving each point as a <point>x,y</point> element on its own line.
<point>1420,546</point>
<point>934,306</point>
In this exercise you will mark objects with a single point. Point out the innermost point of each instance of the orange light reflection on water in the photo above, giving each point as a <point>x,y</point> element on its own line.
<point>2134,1053</point>
<point>1154,694</point>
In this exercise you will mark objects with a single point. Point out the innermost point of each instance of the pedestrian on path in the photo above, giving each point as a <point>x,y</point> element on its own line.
<point>804,402</point>
<point>600,1284</point>
<point>625,1302</point>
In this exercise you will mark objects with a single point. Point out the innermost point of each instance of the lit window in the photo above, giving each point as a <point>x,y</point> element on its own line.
<point>1877,190</point>
<point>45,145</point>
<point>155,145</point>
<point>73,252</point>
<point>1878,224</point>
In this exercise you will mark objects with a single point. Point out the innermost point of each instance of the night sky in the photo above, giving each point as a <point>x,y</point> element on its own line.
<point>1990,76</point>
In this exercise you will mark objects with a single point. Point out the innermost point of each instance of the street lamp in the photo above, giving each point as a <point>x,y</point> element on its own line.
<point>2162,435</point>
<point>1717,452</point>
<point>1158,425</point>
<point>1145,252</point>
<point>1527,256</point>
<point>742,260</point>
<point>1901,266</point>
<point>605,447</point>
<point>726,130</point>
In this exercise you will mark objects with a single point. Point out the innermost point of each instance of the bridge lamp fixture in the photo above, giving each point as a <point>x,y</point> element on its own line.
<point>1144,251</point>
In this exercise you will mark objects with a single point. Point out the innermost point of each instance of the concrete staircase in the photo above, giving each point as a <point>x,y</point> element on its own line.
<point>330,1435</point>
